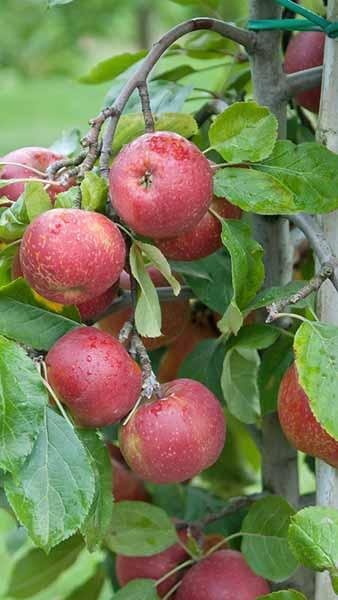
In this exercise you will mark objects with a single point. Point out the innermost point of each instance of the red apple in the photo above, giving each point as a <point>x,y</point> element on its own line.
<point>161,184</point>
<point>306,50</point>
<point>175,314</point>
<point>224,575</point>
<point>152,567</point>
<point>299,424</point>
<point>71,255</point>
<point>92,374</point>
<point>126,485</point>
<point>204,238</point>
<point>34,158</point>
<point>175,437</point>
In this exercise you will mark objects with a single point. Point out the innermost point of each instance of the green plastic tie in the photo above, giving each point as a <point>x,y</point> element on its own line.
<point>311,21</point>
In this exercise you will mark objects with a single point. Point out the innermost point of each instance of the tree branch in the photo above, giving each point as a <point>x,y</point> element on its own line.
<point>303,80</point>
<point>146,108</point>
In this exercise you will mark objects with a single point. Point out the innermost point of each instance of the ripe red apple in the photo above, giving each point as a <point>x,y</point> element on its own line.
<point>224,575</point>
<point>195,331</point>
<point>299,424</point>
<point>202,239</point>
<point>175,314</point>
<point>92,374</point>
<point>152,567</point>
<point>34,158</point>
<point>161,184</point>
<point>126,485</point>
<point>71,255</point>
<point>175,437</point>
<point>306,50</point>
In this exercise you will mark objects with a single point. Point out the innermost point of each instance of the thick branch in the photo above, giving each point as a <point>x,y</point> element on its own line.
<point>241,36</point>
<point>303,80</point>
<point>318,242</point>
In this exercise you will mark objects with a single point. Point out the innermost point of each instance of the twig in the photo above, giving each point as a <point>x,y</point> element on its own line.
<point>319,244</point>
<point>313,285</point>
<point>150,385</point>
<point>56,166</point>
<point>146,108</point>
<point>303,80</point>
<point>241,36</point>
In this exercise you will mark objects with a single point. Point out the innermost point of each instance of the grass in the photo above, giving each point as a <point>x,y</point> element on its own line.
<point>35,112</point>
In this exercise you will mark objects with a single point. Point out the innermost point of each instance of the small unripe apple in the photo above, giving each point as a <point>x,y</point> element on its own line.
<point>299,424</point>
<point>71,255</point>
<point>152,567</point>
<point>126,485</point>
<point>34,157</point>
<point>161,184</point>
<point>92,374</point>
<point>175,437</point>
<point>224,575</point>
<point>202,239</point>
<point>306,50</point>
<point>175,314</point>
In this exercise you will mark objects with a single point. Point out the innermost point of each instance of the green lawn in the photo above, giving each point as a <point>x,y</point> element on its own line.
<point>34,113</point>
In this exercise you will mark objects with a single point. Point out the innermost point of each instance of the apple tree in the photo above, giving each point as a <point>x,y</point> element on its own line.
<point>168,323</point>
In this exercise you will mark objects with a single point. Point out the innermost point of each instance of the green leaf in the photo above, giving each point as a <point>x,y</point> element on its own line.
<point>239,383</point>
<point>36,199</point>
<point>108,69</point>
<point>68,199</point>
<point>204,364</point>
<point>209,3</point>
<point>94,191</point>
<point>148,310</point>
<point>267,551</point>
<point>6,261</point>
<point>159,261</point>
<point>275,294</point>
<point>257,335</point>
<point>140,529</point>
<point>313,537</point>
<point>99,517</point>
<point>53,491</point>
<point>51,3</point>
<point>244,132</point>
<point>138,589</point>
<point>246,265</point>
<point>36,571</point>
<point>209,278</point>
<point>23,398</point>
<point>316,349</point>
<point>68,143</point>
<point>274,362</point>
<point>91,589</point>
<point>254,191</point>
<point>132,126</point>
<point>176,73</point>
<point>283,595</point>
<point>309,171</point>
<point>14,220</point>
<point>29,320</point>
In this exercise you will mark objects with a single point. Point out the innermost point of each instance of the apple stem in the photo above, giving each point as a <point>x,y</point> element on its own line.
<point>181,566</point>
<point>41,365</point>
<point>172,591</point>
<point>146,108</point>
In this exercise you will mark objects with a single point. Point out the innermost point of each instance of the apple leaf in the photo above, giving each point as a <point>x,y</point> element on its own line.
<point>316,350</point>
<point>94,191</point>
<point>209,278</point>
<point>309,171</point>
<point>204,364</point>
<point>68,143</point>
<point>6,261</point>
<point>283,595</point>
<point>313,538</point>
<point>54,489</point>
<point>140,529</point>
<point>274,362</point>
<point>14,220</point>
<point>108,69</point>
<point>257,336</point>
<point>36,571</point>
<point>247,271</point>
<point>23,398</point>
<point>209,3</point>
<point>239,383</point>
<point>92,588</point>
<point>51,3</point>
<point>254,191</point>
<point>244,132</point>
<point>159,261</point>
<point>138,589</point>
<point>36,199</point>
<point>267,551</point>
<point>148,310</point>
<point>275,294</point>
<point>69,199</point>
<point>29,319</point>
<point>132,126</point>
<point>98,519</point>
